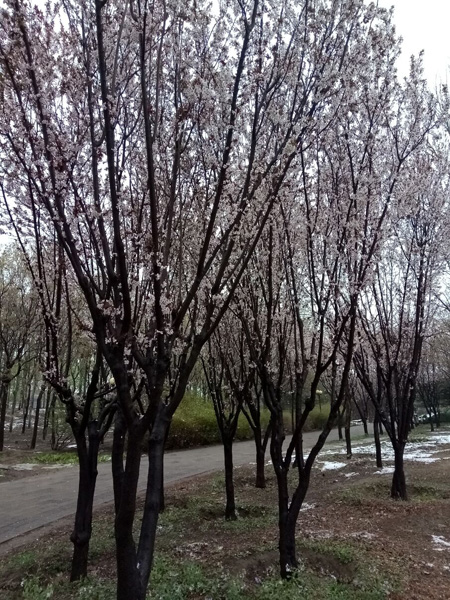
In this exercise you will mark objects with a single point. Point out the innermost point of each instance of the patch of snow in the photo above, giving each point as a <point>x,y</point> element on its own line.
<point>350,474</point>
<point>385,471</point>
<point>439,438</point>
<point>20,467</point>
<point>363,535</point>
<point>441,543</point>
<point>306,506</point>
<point>329,465</point>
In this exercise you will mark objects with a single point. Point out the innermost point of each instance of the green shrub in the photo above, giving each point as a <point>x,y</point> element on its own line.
<point>194,424</point>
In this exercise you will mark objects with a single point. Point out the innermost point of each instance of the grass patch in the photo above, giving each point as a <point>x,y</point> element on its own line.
<point>342,551</point>
<point>62,458</point>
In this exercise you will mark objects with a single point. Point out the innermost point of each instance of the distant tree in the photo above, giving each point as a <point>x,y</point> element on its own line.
<point>395,311</point>
<point>19,326</point>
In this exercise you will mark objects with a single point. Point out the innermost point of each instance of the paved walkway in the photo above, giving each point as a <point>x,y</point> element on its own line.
<point>32,502</point>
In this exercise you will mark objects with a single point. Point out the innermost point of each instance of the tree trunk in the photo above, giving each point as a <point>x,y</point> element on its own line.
<point>129,586</point>
<point>53,418</point>
<point>152,507</point>
<point>230,508</point>
<point>376,435</point>
<point>81,535</point>
<point>430,416</point>
<point>36,418</point>
<point>366,429</point>
<point>48,404</point>
<point>286,545</point>
<point>27,408</point>
<point>14,404</point>
<point>260,481</point>
<point>286,542</point>
<point>348,441</point>
<point>117,454</point>
<point>339,424</point>
<point>398,489</point>
<point>3,402</point>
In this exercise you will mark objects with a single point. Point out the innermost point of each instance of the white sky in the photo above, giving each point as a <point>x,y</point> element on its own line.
<point>424,25</point>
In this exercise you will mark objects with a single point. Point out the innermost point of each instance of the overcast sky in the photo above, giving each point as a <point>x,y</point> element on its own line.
<point>424,25</point>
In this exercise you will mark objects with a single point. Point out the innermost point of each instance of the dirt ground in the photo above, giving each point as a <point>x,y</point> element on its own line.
<point>348,522</point>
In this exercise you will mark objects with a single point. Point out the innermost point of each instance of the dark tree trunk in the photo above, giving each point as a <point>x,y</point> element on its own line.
<point>53,420</point>
<point>36,418</point>
<point>117,455</point>
<point>230,507</point>
<point>3,402</point>
<point>152,507</point>
<point>430,416</point>
<point>260,481</point>
<point>348,441</point>
<point>366,428</point>
<point>339,424</point>
<point>380,427</point>
<point>376,435</point>
<point>398,489</point>
<point>48,404</point>
<point>81,535</point>
<point>129,585</point>
<point>14,404</point>
<point>286,541</point>
<point>27,408</point>
<point>292,517</point>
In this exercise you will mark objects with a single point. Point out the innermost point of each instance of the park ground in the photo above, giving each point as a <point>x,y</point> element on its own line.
<point>354,542</point>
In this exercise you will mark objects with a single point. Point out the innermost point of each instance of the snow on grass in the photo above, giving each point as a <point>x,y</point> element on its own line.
<point>385,471</point>
<point>329,465</point>
<point>422,451</point>
<point>440,543</point>
<point>350,474</point>
<point>21,467</point>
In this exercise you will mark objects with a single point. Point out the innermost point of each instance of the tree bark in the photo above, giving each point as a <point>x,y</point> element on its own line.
<point>376,435</point>
<point>27,408</point>
<point>48,404</point>
<point>398,489</point>
<point>260,481</point>
<point>366,428</point>
<point>153,496</point>
<point>129,586</point>
<point>3,402</point>
<point>81,535</point>
<point>339,424</point>
<point>286,540</point>
<point>14,404</point>
<point>230,507</point>
<point>348,441</point>
<point>36,418</point>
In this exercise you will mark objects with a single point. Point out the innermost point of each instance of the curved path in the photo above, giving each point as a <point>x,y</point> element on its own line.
<point>32,502</point>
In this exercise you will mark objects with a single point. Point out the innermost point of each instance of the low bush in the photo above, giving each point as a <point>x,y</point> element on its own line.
<point>194,424</point>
